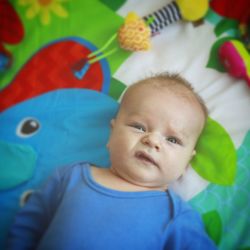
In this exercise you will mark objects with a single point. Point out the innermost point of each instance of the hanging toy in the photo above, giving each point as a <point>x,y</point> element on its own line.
<point>245,32</point>
<point>234,54</point>
<point>135,33</point>
<point>177,10</point>
<point>236,59</point>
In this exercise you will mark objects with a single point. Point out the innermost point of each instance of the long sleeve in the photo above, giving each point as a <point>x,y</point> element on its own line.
<point>33,219</point>
<point>187,232</point>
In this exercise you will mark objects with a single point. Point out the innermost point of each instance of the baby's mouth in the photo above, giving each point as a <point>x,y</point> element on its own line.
<point>145,157</point>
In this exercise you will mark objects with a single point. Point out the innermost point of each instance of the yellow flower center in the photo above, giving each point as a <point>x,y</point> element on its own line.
<point>44,2</point>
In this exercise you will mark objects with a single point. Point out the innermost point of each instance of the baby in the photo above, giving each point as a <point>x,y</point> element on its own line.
<point>128,205</point>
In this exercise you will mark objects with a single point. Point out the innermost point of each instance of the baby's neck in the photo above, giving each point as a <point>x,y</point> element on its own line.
<point>108,179</point>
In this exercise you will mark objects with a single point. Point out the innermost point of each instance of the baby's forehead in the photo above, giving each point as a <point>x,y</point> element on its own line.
<point>180,89</point>
<point>151,88</point>
<point>144,91</point>
<point>142,94</point>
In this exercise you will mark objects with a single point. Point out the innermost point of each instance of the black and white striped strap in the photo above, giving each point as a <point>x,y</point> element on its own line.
<point>163,17</point>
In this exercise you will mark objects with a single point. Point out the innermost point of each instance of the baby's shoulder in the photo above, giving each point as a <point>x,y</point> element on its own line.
<point>72,168</point>
<point>180,206</point>
<point>71,173</point>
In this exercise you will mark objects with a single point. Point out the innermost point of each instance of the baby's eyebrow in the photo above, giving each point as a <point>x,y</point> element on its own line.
<point>136,116</point>
<point>178,133</point>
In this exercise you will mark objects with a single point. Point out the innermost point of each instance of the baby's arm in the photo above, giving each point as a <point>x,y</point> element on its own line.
<point>33,219</point>
<point>187,232</point>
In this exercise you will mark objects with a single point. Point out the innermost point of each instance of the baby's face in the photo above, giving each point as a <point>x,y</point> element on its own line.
<point>153,136</point>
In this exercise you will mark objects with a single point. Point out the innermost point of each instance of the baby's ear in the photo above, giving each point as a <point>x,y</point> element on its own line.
<point>193,153</point>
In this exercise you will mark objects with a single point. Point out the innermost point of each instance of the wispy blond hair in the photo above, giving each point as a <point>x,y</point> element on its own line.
<point>173,81</point>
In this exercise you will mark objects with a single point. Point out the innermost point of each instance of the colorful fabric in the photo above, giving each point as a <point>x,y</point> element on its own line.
<point>49,117</point>
<point>43,105</point>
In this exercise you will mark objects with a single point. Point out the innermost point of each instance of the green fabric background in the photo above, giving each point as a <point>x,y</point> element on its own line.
<point>96,25</point>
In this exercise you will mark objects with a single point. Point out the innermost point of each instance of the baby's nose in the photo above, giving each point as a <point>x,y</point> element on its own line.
<point>152,140</point>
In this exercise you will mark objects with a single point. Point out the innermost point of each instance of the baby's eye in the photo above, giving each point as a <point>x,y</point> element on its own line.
<point>172,140</point>
<point>138,127</point>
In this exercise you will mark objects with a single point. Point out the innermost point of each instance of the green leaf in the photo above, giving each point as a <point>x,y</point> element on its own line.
<point>114,5</point>
<point>216,156</point>
<point>213,225</point>
<point>227,25</point>
<point>116,88</point>
<point>214,60</point>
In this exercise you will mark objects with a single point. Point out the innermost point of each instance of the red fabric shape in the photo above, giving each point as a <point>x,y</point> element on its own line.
<point>49,69</point>
<point>239,10</point>
<point>11,28</point>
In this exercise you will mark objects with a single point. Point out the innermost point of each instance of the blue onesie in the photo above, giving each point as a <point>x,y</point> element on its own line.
<point>72,211</point>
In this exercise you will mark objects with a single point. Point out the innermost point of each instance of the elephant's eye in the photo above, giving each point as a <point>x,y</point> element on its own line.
<point>28,127</point>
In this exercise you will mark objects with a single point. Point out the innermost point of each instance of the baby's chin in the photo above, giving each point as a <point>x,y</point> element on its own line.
<point>150,184</point>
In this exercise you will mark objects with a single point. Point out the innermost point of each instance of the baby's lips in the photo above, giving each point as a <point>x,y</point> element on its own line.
<point>144,156</point>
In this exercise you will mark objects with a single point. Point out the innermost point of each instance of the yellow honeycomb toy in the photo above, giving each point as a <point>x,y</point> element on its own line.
<point>134,34</point>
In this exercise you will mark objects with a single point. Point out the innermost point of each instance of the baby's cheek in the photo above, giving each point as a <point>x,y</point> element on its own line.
<point>170,174</point>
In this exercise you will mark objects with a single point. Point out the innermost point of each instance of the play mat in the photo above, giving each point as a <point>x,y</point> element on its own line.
<point>56,100</point>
